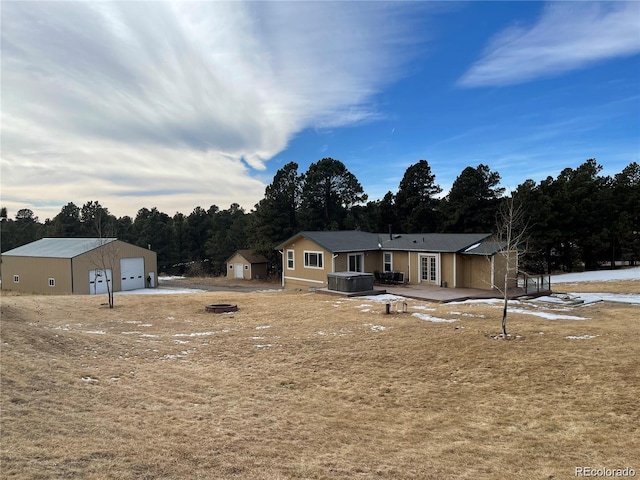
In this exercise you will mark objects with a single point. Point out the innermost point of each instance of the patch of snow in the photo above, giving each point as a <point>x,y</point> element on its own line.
<point>375,328</point>
<point>130,333</point>
<point>196,334</point>
<point>148,335</point>
<point>383,298</point>
<point>429,318</point>
<point>181,342</point>
<point>547,315</point>
<point>96,332</point>
<point>473,315</point>
<point>89,379</point>
<point>422,307</point>
<point>598,276</point>
<point>170,277</point>
<point>473,247</point>
<point>581,337</point>
<point>160,291</point>
<point>266,345</point>
<point>633,298</point>
<point>257,338</point>
<point>262,327</point>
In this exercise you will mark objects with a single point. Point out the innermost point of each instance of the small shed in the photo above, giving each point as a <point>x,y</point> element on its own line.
<point>64,266</point>
<point>247,265</point>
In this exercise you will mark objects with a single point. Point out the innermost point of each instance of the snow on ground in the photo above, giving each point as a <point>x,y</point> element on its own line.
<point>633,298</point>
<point>429,318</point>
<point>547,315</point>
<point>159,291</point>
<point>581,337</point>
<point>597,276</point>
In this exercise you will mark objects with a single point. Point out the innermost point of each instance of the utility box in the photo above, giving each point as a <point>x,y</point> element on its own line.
<point>350,282</point>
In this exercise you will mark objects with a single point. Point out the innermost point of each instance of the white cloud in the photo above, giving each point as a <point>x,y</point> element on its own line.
<point>568,36</point>
<point>179,102</point>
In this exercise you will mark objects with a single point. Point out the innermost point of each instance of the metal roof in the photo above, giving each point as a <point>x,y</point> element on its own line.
<point>354,240</point>
<point>58,247</point>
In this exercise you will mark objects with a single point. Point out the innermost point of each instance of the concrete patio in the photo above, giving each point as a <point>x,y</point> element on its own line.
<point>432,293</point>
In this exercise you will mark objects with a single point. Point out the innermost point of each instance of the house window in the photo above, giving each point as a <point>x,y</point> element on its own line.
<point>52,282</point>
<point>290,260</point>
<point>313,259</point>
<point>387,262</point>
<point>356,262</point>
<point>16,279</point>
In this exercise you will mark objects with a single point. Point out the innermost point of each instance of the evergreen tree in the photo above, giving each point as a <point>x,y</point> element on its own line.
<point>416,202</point>
<point>473,201</point>
<point>329,192</point>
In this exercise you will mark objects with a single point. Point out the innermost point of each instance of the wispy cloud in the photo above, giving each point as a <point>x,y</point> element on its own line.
<point>104,98</point>
<point>568,36</point>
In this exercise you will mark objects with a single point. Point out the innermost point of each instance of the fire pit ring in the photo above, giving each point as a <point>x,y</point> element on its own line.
<point>221,308</point>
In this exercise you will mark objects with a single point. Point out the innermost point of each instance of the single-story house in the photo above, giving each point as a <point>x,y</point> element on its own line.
<point>247,264</point>
<point>471,260</point>
<point>63,266</point>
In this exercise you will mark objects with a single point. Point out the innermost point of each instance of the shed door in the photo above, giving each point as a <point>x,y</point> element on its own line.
<point>98,281</point>
<point>131,273</point>
<point>237,267</point>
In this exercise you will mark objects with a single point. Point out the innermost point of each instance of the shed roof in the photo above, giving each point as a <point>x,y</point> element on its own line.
<point>58,247</point>
<point>250,256</point>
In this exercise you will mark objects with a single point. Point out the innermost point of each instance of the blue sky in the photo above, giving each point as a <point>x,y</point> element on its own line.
<point>178,105</point>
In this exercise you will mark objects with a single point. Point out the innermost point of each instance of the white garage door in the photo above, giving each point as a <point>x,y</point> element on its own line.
<point>131,273</point>
<point>98,281</point>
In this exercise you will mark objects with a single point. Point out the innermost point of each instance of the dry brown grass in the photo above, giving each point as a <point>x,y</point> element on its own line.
<point>618,286</point>
<point>172,392</point>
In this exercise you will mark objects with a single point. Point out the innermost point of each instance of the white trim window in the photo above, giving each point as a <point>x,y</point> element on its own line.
<point>429,269</point>
<point>355,262</point>
<point>313,259</point>
<point>52,282</point>
<point>291,262</point>
<point>387,262</point>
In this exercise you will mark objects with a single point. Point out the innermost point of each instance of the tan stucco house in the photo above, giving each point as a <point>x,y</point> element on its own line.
<point>248,265</point>
<point>63,266</point>
<point>471,260</point>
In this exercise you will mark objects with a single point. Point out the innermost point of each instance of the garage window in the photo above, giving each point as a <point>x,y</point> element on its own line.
<point>16,279</point>
<point>52,282</point>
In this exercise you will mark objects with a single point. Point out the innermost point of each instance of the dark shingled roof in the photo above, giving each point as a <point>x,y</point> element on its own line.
<point>353,241</point>
<point>250,256</point>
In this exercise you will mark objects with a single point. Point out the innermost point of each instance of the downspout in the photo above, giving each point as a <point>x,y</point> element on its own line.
<point>281,252</point>
<point>333,263</point>
<point>493,271</point>
<point>455,270</point>
<point>409,263</point>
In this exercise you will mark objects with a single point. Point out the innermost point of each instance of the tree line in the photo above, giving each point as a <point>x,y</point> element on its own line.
<point>580,219</point>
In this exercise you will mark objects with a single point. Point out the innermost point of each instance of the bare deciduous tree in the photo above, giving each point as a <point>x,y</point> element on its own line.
<point>105,255</point>
<point>511,227</point>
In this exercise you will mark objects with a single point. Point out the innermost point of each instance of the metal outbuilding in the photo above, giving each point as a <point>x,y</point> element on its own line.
<point>63,266</point>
